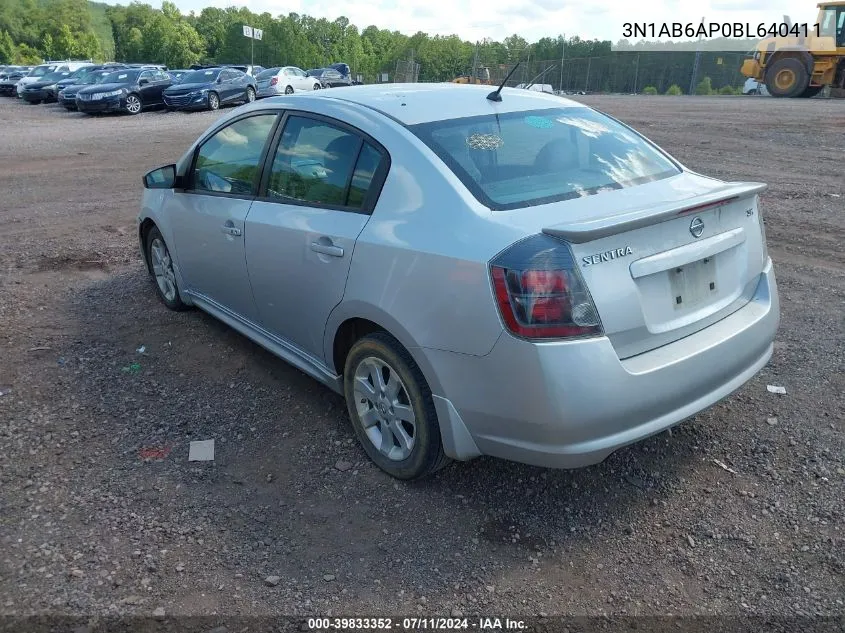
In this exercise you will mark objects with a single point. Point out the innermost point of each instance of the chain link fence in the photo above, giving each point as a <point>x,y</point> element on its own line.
<point>407,71</point>
<point>628,72</point>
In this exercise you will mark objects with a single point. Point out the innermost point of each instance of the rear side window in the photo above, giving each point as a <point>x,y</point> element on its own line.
<point>229,161</point>
<point>521,159</point>
<point>313,163</point>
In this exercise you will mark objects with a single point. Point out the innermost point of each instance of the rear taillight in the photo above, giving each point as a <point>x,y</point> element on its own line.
<point>274,81</point>
<point>540,293</point>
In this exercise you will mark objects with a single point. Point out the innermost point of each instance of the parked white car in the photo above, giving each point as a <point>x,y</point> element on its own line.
<point>284,80</point>
<point>754,87</point>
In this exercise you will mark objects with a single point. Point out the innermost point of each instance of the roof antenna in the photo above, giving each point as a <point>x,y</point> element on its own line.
<point>495,95</point>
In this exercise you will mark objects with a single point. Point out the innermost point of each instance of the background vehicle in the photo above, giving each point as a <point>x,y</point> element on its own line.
<point>754,87</point>
<point>330,77</point>
<point>177,74</point>
<point>581,260</point>
<point>42,69</point>
<point>45,89</point>
<point>209,89</point>
<point>10,77</point>
<point>799,66</point>
<point>284,80</point>
<point>67,96</point>
<point>129,90</point>
<point>249,69</point>
<point>480,75</point>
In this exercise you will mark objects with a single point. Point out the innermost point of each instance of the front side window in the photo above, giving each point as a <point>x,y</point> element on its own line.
<point>522,159</point>
<point>313,163</point>
<point>229,161</point>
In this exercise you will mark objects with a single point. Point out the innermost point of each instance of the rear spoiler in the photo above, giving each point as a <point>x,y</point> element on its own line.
<point>581,232</point>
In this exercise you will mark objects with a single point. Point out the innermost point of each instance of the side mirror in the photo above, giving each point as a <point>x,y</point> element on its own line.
<point>220,80</point>
<point>162,178</point>
<point>143,82</point>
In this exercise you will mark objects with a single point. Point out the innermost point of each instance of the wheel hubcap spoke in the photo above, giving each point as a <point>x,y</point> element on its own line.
<point>163,269</point>
<point>384,409</point>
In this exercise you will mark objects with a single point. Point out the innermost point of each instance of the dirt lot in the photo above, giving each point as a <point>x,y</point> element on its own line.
<point>92,522</point>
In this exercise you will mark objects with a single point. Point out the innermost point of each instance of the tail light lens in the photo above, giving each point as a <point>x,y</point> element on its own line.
<point>540,292</point>
<point>274,81</point>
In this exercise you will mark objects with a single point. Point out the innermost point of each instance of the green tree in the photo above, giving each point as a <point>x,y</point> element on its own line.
<point>649,90</point>
<point>674,90</point>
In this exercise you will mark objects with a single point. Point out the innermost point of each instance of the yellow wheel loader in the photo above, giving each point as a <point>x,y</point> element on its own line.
<point>802,59</point>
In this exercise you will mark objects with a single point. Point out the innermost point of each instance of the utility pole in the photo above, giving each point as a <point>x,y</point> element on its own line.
<point>587,83</point>
<point>562,50</point>
<point>696,64</point>
<point>636,73</point>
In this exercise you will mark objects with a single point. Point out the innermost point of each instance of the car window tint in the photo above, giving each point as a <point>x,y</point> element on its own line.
<point>148,75</point>
<point>228,162</point>
<point>362,177</point>
<point>313,162</point>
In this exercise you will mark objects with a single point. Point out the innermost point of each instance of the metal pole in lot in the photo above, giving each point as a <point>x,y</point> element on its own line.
<point>562,50</point>
<point>252,51</point>
<point>587,82</point>
<point>636,73</point>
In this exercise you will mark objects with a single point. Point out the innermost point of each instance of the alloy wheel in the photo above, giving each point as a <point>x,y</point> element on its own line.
<point>289,90</point>
<point>213,101</point>
<point>384,408</point>
<point>133,104</point>
<point>163,269</point>
<point>250,95</point>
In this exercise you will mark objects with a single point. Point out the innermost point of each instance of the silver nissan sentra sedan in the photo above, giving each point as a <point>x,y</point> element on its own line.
<point>478,273</point>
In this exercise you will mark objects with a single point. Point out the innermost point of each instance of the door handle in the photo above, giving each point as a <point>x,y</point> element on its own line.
<point>327,249</point>
<point>231,230</point>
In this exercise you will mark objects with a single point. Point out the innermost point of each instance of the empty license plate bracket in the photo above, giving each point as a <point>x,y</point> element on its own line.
<point>693,283</point>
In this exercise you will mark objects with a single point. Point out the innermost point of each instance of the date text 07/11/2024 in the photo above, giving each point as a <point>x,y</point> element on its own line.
<point>738,30</point>
<point>414,624</point>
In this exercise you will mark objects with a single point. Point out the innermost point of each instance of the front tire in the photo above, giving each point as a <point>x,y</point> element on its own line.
<point>391,408</point>
<point>161,265</point>
<point>787,77</point>
<point>213,101</point>
<point>250,95</point>
<point>133,104</point>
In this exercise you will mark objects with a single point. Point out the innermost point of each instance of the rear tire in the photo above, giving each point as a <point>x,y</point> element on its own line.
<point>288,90</point>
<point>317,86</point>
<point>391,408</point>
<point>787,77</point>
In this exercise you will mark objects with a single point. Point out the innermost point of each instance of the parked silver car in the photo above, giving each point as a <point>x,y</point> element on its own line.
<point>284,80</point>
<point>524,278</point>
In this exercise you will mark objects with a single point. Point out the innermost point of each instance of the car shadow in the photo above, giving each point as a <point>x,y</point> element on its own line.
<point>291,493</point>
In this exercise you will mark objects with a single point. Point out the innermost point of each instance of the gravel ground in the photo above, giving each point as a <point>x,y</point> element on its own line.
<point>738,511</point>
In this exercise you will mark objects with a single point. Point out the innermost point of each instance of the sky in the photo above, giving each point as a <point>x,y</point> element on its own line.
<point>474,20</point>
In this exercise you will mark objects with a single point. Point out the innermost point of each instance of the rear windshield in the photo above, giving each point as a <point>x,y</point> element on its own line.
<point>522,159</point>
<point>266,74</point>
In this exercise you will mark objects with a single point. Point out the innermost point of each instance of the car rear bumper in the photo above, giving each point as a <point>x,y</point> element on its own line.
<point>571,404</point>
<point>272,91</point>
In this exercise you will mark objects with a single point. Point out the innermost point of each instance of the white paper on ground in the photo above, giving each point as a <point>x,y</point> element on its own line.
<point>202,451</point>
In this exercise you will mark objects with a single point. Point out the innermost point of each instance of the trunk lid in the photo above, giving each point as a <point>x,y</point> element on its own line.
<point>661,260</point>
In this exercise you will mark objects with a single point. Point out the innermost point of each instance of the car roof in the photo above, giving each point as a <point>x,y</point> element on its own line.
<point>411,104</point>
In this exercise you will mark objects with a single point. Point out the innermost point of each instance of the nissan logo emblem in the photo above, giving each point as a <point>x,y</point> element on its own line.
<point>696,227</point>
